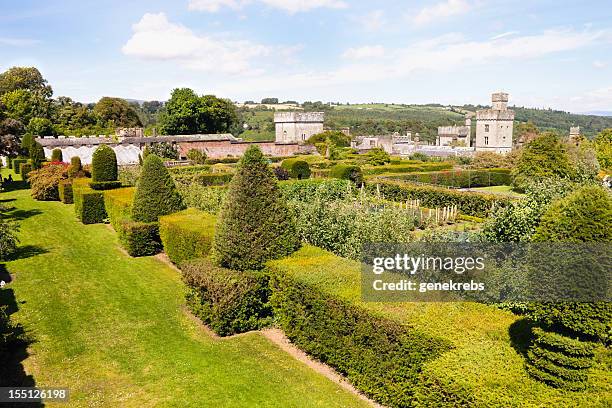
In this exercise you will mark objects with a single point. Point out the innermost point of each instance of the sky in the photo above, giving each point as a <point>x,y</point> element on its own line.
<point>544,53</point>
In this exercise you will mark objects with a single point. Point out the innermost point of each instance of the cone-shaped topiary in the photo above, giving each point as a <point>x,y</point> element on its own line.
<point>254,224</point>
<point>104,164</point>
<point>75,169</point>
<point>56,155</point>
<point>37,155</point>
<point>156,193</point>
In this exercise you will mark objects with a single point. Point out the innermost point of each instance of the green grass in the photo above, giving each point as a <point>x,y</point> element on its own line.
<point>485,358</point>
<point>499,190</point>
<point>112,328</point>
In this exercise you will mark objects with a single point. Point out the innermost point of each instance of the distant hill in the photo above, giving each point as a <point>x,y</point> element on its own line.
<point>598,113</point>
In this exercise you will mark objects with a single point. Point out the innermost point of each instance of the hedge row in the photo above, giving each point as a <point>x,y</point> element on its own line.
<point>459,179</point>
<point>204,179</point>
<point>380,356</point>
<point>187,234</point>
<point>407,168</point>
<point>65,191</point>
<point>470,203</point>
<point>297,168</point>
<point>24,169</point>
<point>559,361</point>
<point>228,301</point>
<point>200,168</point>
<point>137,238</point>
<point>16,164</point>
<point>88,203</point>
<point>118,205</point>
<point>347,172</point>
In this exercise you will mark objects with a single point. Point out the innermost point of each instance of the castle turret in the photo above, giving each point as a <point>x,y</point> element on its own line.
<point>494,127</point>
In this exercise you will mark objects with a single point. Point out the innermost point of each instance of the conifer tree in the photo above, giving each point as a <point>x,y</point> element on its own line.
<point>254,224</point>
<point>156,193</point>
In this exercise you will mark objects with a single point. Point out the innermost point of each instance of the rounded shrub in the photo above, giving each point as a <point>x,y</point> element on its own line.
<point>104,164</point>
<point>254,223</point>
<point>75,168</point>
<point>583,216</point>
<point>56,155</point>
<point>196,156</point>
<point>296,168</point>
<point>347,172</point>
<point>156,193</point>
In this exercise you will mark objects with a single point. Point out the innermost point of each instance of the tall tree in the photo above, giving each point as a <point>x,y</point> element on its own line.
<point>188,113</point>
<point>25,78</point>
<point>117,112</point>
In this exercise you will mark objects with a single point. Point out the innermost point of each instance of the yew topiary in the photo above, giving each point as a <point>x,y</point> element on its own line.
<point>254,224</point>
<point>583,216</point>
<point>56,155</point>
<point>104,165</point>
<point>156,193</point>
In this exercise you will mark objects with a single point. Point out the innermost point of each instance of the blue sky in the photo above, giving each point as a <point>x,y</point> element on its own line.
<point>544,53</point>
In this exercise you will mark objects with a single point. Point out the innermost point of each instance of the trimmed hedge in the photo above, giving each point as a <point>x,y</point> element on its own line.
<point>104,185</point>
<point>118,205</point>
<point>103,164</point>
<point>65,191</point>
<point>470,203</point>
<point>88,203</point>
<point>407,168</point>
<point>298,169</point>
<point>347,172</point>
<point>212,179</point>
<point>16,163</point>
<point>24,169</point>
<point>137,238</point>
<point>187,234</point>
<point>228,301</point>
<point>140,238</point>
<point>182,170</point>
<point>559,361</point>
<point>459,179</point>
<point>383,358</point>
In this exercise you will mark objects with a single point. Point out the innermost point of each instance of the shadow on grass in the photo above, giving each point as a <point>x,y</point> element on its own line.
<point>26,251</point>
<point>14,342</point>
<point>521,336</point>
<point>14,185</point>
<point>8,200</point>
<point>19,215</point>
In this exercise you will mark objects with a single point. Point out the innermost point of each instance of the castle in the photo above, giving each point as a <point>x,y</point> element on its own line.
<point>494,128</point>
<point>297,127</point>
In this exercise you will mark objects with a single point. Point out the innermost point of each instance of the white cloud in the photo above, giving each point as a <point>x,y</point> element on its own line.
<point>441,10</point>
<point>18,42</point>
<point>155,38</point>
<point>599,64</point>
<point>368,51</point>
<point>290,6</point>
<point>212,6</point>
<point>447,53</point>
<point>504,35</point>
<point>373,21</point>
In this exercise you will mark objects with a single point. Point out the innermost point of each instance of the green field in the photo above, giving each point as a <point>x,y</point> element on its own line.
<point>507,190</point>
<point>112,328</point>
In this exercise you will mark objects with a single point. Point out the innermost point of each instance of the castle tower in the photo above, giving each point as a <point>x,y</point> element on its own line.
<point>297,127</point>
<point>494,126</point>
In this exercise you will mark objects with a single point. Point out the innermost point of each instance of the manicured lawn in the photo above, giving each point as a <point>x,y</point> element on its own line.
<point>499,190</point>
<point>112,329</point>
